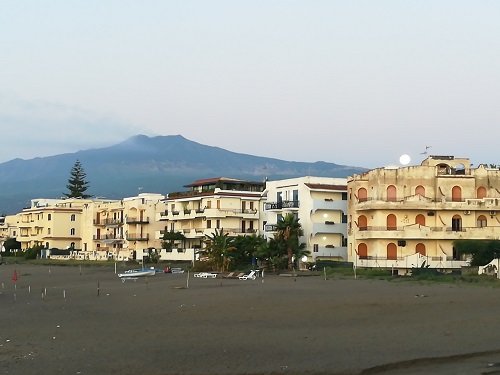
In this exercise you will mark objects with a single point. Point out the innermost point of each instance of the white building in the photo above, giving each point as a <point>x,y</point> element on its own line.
<point>320,203</point>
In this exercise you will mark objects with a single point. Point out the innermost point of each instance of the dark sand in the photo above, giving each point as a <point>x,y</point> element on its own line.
<point>279,325</point>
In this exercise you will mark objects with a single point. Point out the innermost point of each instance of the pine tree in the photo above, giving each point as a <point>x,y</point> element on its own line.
<point>76,183</point>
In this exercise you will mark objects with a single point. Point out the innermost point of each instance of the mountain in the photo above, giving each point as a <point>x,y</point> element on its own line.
<point>160,164</point>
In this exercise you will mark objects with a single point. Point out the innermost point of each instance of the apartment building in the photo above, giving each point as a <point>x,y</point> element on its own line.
<point>227,204</point>
<point>121,229</point>
<point>51,223</point>
<point>404,217</point>
<point>320,203</point>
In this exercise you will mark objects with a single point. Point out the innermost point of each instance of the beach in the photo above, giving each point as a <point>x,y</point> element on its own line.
<point>72,320</point>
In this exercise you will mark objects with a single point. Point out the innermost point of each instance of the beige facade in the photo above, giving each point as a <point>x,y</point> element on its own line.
<point>51,223</point>
<point>409,217</point>
<point>121,229</point>
<point>226,204</point>
<point>320,203</point>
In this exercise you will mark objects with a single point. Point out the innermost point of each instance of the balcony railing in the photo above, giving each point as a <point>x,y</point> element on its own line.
<point>281,205</point>
<point>108,237</point>
<point>138,237</point>
<point>137,220</point>
<point>108,221</point>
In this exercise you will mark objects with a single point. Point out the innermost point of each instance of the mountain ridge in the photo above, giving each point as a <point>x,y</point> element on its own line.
<point>160,164</point>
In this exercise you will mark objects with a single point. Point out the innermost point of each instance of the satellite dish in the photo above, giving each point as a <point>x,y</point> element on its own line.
<point>404,159</point>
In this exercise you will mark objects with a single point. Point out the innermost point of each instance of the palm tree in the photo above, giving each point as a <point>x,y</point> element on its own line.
<point>288,232</point>
<point>217,250</point>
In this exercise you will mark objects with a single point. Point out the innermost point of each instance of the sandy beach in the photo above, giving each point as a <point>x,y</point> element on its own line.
<point>61,320</point>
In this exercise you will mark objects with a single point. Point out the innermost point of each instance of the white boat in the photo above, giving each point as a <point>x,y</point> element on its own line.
<point>133,274</point>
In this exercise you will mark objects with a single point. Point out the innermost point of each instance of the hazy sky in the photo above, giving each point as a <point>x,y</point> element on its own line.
<point>350,82</point>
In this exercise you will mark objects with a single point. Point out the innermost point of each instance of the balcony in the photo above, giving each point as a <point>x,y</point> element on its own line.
<point>281,205</point>
<point>108,222</point>
<point>107,237</point>
<point>329,227</point>
<point>137,236</point>
<point>138,220</point>
<point>271,228</point>
<point>329,205</point>
<point>164,215</point>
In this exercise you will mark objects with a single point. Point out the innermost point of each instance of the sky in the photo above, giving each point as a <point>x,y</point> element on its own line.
<point>356,83</point>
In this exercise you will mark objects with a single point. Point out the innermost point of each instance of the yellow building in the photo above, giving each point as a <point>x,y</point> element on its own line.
<point>51,223</point>
<point>121,229</point>
<point>221,203</point>
<point>404,217</point>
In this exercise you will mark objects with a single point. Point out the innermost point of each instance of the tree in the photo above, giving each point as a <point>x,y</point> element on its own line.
<point>288,232</point>
<point>217,250</point>
<point>11,244</point>
<point>170,237</point>
<point>246,248</point>
<point>481,251</point>
<point>76,183</point>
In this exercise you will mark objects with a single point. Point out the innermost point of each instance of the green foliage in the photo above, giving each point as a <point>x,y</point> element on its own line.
<point>170,237</point>
<point>482,251</point>
<point>33,252</point>
<point>76,183</point>
<point>217,250</point>
<point>11,244</point>
<point>288,232</point>
<point>246,247</point>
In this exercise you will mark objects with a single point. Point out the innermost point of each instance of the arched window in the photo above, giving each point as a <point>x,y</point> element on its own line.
<point>72,231</point>
<point>362,195</point>
<point>456,194</point>
<point>420,190</point>
<point>481,221</point>
<point>456,223</point>
<point>391,222</point>
<point>420,248</point>
<point>391,193</point>
<point>73,217</point>
<point>362,251</point>
<point>420,219</point>
<point>362,222</point>
<point>481,192</point>
<point>392,251</point>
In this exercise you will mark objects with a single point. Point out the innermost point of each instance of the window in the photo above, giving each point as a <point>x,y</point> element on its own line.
<point>218,204</point>
<point>49,230</point>
<point>456,223</point>
<point>420,190</point>
<point>73,217</point>
<point>344,196</point>
<point>391,193</point>
<point>481,192</point>
<point>209,224</point>
<point>391,222</point>
<point>295,195</point>
<point>362,195</point>
<point>362,251</point>
<point>49,217</point>
<point>392,251</point>
<point>362,222</point>
<point>420,219</point>
<point>315,248</point>
<point>209,204</point>
<point>481,221</point>
<point>420,248</point>
<point>72,231</point>
<point>251,205</point>
<point>217,223</point>
<point>456,194</point>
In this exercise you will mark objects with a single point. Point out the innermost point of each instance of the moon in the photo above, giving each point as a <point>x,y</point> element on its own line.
<point>404,159</point>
